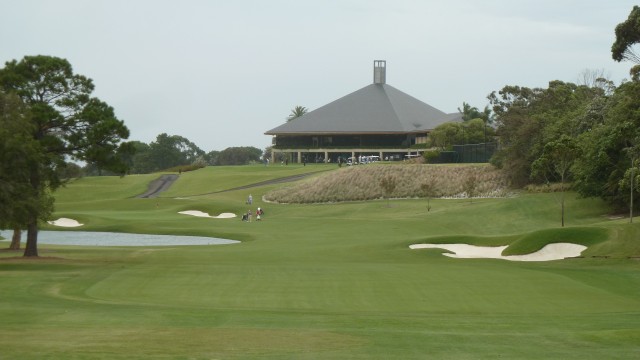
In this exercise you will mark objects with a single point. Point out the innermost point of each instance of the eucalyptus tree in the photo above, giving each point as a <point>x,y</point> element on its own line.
<point>65,122</point>
<point>556,160</point>
<point>627,35</point>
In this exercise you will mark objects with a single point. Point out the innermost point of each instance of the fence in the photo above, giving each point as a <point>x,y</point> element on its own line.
<point>468,153</point>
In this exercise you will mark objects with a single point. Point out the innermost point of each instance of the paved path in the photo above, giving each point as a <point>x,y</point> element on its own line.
<point>159,185</point>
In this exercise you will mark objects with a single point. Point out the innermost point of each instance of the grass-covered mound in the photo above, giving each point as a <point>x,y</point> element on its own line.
<point>534,241</point>
<point>410,180</point>
<point>530,242</point>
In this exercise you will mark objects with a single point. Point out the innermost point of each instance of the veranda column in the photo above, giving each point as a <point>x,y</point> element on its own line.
<point>299,157</point>
<point>326,157</point>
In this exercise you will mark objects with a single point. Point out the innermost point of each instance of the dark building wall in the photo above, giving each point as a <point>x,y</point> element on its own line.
<point>345,141</point>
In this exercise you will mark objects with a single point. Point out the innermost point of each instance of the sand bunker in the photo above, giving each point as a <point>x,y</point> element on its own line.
<point>65,222</point>
<point>204,214</point>
<point>556,251</point>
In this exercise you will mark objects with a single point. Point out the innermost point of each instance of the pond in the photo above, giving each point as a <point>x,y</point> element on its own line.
<point>89,238</point>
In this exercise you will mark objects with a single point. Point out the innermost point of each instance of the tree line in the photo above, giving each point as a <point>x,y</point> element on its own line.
<point>177,153</point>
<point>586,132</point>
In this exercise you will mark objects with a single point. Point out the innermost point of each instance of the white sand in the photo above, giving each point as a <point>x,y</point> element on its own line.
<point>65,222</point>
<point>204,214</point>
<point>550,252</point>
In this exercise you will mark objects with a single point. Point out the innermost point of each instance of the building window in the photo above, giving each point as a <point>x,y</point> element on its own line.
<point>421,139</point>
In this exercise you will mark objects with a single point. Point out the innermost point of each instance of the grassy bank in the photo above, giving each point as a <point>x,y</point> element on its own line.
<point>320,281</point>
<point>359,183</point>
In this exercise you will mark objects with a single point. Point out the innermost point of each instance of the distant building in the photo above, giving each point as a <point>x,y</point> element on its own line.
<point>376,120</point>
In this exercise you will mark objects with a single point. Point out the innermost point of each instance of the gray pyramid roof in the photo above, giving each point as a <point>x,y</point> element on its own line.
<point>376,108</point>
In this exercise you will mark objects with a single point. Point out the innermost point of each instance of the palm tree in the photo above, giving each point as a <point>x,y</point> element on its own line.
<point>468,112</point>
<point>297,112</point>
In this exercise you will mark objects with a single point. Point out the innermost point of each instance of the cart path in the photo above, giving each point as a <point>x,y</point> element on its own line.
<point>159,185</point>
<point>163,183</point>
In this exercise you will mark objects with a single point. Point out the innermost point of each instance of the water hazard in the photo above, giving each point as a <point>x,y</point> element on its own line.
<point>90,238</point>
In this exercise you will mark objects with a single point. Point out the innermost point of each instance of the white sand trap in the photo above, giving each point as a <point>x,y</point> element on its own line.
<point>204,214</point>
<point>65,222</point>
<point>556,251</point>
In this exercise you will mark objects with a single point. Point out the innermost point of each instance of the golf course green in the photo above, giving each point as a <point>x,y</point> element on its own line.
<point>320,281</point>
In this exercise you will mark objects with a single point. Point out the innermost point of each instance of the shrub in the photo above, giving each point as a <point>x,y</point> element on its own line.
<point>431,155</point>
<point>547,188</point>
<point>184,168</point>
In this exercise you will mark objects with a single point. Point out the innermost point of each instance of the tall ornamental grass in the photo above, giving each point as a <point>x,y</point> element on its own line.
<point>364,183</point>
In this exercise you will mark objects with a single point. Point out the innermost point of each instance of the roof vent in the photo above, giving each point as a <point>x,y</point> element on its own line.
<point>379,71</point>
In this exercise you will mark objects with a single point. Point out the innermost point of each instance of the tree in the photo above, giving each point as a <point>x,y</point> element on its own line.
<point>296,112</point>
<point>470,185</point>
<point>65,122</point>
<point>18,150</point>
<point>471,112</point>
<point>444,136</point>
<point>388,184</point>
<point>630,179</point>
<point>557,159</point>
<point>267,153</point>
<point>627,35</point>
<point>475,132</point>
<point>428,189</point>
<point>172,150</point>
<point>212,157</point>
<point>467,111</point>
<point>141,162</point>
<point>239,155</point>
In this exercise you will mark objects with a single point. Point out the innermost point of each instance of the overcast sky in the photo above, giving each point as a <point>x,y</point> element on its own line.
<point>221,73</point>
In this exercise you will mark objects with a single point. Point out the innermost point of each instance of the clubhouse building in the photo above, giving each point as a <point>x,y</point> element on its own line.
<point>377,120</point>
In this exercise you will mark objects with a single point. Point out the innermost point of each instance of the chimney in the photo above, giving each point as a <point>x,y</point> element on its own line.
<point>379,71</point>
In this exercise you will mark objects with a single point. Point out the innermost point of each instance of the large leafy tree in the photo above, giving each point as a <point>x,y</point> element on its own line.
<point>64,122</point>
<point>241,155</point>
<point>172,150</point>
<point>18,150</point>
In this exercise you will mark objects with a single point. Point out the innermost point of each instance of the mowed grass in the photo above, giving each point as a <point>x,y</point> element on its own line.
<point>320,281</point>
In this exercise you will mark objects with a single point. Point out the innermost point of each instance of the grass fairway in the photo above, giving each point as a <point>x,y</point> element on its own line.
<point>319,281</point>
